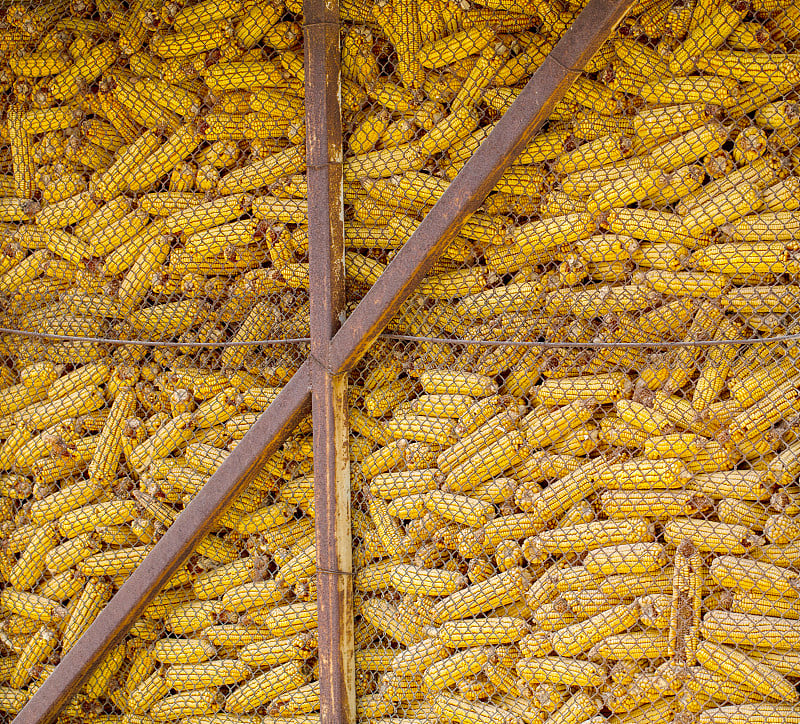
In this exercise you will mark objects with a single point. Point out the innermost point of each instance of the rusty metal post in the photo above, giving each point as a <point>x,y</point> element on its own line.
<point>467,191</point>
<point>329,389</point>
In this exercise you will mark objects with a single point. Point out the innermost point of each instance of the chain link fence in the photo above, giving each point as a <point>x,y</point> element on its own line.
<point>152,189</point>
<point>575,449</point>
<point>575,491</point>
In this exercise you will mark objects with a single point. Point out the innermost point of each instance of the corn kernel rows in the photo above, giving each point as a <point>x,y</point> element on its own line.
<point>133,147</point>
<point>97,466</point>
<point>108,250</point>
<point>575,534</point>
<point>681,184</point>
<point>106,240</point>
<point>442,132</point>
<point>137,202</point>
<point>507,574</point>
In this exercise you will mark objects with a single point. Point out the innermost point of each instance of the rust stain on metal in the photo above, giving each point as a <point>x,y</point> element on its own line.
<point>329,397</point>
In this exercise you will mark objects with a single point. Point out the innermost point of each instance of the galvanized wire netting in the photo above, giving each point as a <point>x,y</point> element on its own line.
<point>148,204</point>
<point>575,497</point>
<point>575,448</point>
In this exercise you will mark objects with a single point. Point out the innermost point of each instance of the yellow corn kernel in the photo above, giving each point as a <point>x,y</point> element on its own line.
<point>560,670</point>
<point>740,668</point>
<point>506,587</point>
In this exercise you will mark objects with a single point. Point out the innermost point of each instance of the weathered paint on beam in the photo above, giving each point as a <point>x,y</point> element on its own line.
<point>329,397</point>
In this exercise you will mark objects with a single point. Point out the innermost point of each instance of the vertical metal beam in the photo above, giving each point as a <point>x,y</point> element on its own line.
<point>329,390</point>
<point>467,191</point>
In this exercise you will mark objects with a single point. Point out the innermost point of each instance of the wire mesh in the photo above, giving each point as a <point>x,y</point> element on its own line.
<point>152,211</point>
<point>575,489</point>
<point>575,448</point>
<point>99,459</point>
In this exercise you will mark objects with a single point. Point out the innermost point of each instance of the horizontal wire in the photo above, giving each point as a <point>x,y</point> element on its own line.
<point>149,342</point>
<point>411,338</point>
<point>593,345</point>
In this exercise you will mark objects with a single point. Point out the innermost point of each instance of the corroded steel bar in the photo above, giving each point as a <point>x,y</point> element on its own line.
<point>329,396</point>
